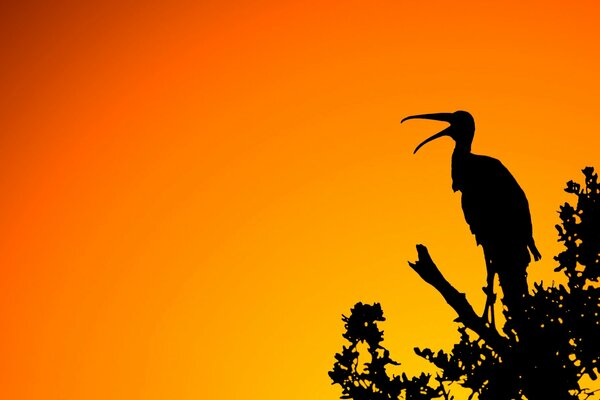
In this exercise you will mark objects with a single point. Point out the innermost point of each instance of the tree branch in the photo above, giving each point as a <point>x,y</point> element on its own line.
<point>430,273</point>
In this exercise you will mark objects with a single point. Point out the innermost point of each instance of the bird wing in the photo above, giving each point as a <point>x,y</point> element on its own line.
<point>494,205</point>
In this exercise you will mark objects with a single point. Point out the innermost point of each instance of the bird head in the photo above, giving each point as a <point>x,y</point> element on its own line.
<point>461,129</point>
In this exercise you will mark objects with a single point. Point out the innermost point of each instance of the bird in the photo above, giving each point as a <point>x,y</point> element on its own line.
<point>495,208</point>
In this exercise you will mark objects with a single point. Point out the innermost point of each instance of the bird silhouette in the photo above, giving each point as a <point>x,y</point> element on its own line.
<point>495,208</point>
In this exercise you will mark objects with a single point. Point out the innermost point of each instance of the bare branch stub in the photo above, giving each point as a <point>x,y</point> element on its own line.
<point>431,274</point>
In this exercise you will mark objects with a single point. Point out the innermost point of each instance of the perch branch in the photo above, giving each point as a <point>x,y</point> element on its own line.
<point>430,273</point>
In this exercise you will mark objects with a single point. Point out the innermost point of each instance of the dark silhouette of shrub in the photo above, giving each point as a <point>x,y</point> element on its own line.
<point>547,345</point>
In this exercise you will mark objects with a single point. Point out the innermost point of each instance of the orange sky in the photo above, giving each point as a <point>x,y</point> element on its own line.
<point>193,193</point>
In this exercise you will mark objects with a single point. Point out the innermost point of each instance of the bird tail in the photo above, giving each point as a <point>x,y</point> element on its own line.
<point>534,250</point>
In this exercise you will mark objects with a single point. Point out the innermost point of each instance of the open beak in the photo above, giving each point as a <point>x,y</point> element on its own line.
<point>445,117</point>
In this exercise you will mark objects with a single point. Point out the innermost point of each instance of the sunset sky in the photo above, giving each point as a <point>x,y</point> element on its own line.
<point>194,192</point>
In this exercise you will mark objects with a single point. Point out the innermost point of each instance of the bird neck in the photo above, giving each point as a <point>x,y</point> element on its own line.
<point>460,159</point>
<point>461,149</point>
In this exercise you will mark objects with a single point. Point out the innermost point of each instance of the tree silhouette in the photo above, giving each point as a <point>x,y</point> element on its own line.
<point>543,351</point>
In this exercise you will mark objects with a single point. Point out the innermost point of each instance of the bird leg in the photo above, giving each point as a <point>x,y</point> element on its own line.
<point>488,312</point>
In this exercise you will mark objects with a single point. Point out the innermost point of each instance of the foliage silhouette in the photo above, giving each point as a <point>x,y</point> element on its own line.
<point>543,352</point>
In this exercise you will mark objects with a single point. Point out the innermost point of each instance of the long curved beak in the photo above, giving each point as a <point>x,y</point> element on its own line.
<point>444,117</point>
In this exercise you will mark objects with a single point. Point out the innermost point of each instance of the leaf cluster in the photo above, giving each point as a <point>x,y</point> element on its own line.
<point>370,380</point>
<point>580,233</point>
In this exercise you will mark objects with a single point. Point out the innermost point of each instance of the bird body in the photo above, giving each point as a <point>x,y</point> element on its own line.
<point>495,208</point>
<point>494,205</point>
<point>497,212</point>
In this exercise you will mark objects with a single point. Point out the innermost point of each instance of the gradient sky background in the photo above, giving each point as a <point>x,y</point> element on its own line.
<point>194,192</point>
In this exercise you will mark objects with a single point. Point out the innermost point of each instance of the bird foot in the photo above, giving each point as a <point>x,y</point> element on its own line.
<point>488,316</point>
<point>488,312</point>
<point>491,296</point>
